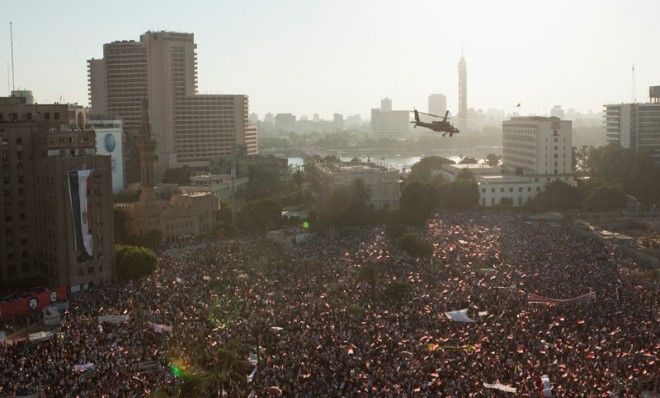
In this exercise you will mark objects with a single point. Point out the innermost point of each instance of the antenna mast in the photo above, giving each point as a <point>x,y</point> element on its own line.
<point>634,88</point>
<point>11,39</point>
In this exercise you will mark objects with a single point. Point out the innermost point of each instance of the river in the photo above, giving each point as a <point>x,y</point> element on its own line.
<point>401,163</point>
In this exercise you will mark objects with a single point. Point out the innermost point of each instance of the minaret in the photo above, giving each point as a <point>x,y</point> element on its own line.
<point>147,148</point>
<point>462,93</point>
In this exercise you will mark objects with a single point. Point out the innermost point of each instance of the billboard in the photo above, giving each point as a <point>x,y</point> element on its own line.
<point>109,142</point>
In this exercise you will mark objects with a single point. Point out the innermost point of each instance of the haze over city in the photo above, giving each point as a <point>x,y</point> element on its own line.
<point>343,56</point>
<point>329,199</point>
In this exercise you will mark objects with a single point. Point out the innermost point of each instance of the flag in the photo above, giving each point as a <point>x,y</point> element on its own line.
<point>501,387</point>
<point>533,298</point>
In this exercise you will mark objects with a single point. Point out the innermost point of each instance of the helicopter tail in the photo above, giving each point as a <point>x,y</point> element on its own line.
<point>416,115</point>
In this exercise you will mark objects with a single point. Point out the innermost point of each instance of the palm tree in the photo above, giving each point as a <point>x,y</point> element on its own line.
<point>369,274</point>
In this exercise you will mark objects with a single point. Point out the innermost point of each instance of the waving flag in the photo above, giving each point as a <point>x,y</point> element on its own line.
<point>533,298</point>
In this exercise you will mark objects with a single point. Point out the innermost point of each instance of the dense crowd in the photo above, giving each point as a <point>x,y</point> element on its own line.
<point>325,331</point>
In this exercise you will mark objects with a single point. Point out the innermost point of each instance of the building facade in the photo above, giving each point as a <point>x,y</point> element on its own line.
<point>162,67</point>
<point>56,200</point>
<point>223,186</point>
<point>182,214</point>
<point>635,126</point>
<point>109,141</point>
<point>537,145</point>
<point>383,185</point>
<point>388,123</point>
<point>437,104</point>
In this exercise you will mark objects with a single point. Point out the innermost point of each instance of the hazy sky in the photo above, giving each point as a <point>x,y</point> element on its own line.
<point>344,55</point>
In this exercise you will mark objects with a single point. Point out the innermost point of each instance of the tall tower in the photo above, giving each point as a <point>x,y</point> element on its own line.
<point>462,93</point>
<point>147,148</point>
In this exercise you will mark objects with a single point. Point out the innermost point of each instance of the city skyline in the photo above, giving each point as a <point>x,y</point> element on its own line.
<point>326,69</point>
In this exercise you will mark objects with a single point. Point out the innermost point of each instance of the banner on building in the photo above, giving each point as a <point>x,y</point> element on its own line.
<point>82,225</point>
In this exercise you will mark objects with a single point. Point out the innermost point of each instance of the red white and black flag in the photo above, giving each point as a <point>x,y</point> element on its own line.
<point>81,213</point>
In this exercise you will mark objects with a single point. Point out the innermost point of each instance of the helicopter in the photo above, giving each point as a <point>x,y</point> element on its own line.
<point>437,125</point>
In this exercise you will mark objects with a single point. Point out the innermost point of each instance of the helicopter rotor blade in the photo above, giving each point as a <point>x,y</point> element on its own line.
<point>430,114</point>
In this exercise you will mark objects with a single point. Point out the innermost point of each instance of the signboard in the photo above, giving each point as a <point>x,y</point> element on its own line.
<point>109,142</point>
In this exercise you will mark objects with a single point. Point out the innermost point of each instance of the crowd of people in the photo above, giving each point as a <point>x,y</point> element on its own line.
<point>320,329</point>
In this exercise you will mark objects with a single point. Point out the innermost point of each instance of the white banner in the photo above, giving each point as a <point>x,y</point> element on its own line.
<point>51,316</point>
<point>115,319</point>
<point>83,367</point>
<point>459,316</point>
<point>40,336</point>
<point>158,328</point>
<point>501,387</point>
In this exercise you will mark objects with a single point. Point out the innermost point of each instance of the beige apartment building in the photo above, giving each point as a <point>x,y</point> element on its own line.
<point>189,129</point>
<point>56,202</point>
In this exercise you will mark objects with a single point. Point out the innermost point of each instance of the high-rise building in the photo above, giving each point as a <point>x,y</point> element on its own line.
<point>634,126</point>
<point>386,105</point>
<point>437,104</point>
<point>190,129</point>
<point>388,123</point>
<point>537,145</point>
<point>56,202</point>
<point>285,121</point>
<point>462,95</point>
<point>557,112</point>
<point>338,121</point>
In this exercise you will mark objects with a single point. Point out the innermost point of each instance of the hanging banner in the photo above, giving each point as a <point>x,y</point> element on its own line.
<point>81,214</point>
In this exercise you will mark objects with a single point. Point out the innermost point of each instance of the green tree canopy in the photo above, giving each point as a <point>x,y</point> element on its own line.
<point>557,196</point>
<point>423,170</point>
<point>260,215</point>
<point>134,262</point>
<point>493,160</point>
<point>418,201</point>
<point>460,194</point>
<point>606,197</point>
<point>415,245</point>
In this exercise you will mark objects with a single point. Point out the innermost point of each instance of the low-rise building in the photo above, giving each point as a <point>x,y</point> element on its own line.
<point>223,186</point>
<point>450,172</point>
<point>383,185</point>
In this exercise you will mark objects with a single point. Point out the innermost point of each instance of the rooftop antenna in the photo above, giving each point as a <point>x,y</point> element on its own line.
<point>11,39</point>
<point>634,89</point>
<point>8,80</point>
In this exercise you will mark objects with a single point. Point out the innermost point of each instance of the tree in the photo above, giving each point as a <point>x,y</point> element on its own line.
<point>460,194</point>
<point>415,245</point>
<point>134,262</point>
<point>418,201</point>
<point>369,274</point>
<point>260,215</point>
<point>493,160</point>
<point>557,196</point>
<point>468,160</point>
<point>423,170</point>
<point>606,197</point>
<point>397,291</point>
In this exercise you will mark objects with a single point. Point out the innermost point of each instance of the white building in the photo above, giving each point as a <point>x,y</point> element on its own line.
<point>437,104</point>
<point>635,126</point>
<point>109,135</point>
<point>536,151</point>
<point>450,172</point>
<point>382,184</point>
<point>537,145</point>
<point>224,186</point>
<point>388,123</point>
